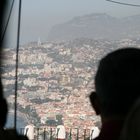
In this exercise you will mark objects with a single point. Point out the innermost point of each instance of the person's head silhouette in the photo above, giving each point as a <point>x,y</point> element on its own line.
<point>131,128</point>
<point>117,84</point>
<point>3,108</point>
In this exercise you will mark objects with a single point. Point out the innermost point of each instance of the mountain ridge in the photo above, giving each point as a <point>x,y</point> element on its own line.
<point>96,26</point>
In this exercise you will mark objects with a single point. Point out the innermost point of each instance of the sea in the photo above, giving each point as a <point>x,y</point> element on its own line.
<point>21,122</point>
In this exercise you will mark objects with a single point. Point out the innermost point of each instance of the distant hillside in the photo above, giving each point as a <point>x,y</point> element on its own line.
<point>97,26</point>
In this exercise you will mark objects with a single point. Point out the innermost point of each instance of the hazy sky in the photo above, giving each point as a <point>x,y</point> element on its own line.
<point>38,16</point>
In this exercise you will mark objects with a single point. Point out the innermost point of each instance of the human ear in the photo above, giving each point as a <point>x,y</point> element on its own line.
<point>95,102</point>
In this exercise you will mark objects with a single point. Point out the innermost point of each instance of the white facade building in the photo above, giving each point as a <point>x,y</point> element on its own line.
<point>60,132</point>
<point>29,131</point>
<point>94,132</point>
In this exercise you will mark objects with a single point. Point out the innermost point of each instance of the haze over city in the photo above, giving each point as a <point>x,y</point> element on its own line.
<point>55,78</point>
<point>38,17</point>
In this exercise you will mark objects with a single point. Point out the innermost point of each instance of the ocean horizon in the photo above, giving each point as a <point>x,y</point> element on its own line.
<point>21,122</point>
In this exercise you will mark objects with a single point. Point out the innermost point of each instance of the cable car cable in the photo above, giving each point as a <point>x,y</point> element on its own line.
<point>127,4</point>
<point>8,19</point>
<point>16,70</point>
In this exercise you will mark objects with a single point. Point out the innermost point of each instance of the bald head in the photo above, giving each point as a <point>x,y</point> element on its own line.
<point>117,81</point>
<point>3,108</point>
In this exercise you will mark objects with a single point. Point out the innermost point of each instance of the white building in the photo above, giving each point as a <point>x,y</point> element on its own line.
<point>94,132</point>
<point>29,131</point>
<point>60,132</point>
